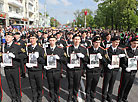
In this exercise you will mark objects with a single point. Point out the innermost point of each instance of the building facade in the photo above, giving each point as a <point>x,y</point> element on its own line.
<point>19,13</point>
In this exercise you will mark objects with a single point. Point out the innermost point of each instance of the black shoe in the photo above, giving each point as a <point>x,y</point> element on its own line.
<point>109,99</point>
<point>124,100</point>
<point>23,75</point>
<point>92,100</point>
<point>13,100</point>
<point>103,100</point>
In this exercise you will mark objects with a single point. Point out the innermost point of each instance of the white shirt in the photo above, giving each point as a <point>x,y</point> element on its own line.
<point>53,47</point>
<point>76,47</point>
<point>114,49</point>
<point>34,45</point>
<point>10,44</point>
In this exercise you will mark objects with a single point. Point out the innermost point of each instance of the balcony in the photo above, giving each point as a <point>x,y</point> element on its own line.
<point>16,3</point>
<point>15,15</point>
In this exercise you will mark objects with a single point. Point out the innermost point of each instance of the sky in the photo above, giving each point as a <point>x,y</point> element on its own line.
<point>63,10</point>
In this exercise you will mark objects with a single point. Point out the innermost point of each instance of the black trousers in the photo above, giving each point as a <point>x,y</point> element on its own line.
<point>14,83</point>
<point>22,67</point>
<point>91,85</point>
<point>126,82</point>
<point>36,82</point>
<point>53,78</point>
<point>0,90</point>
<point>109,79</point>
<point>74,77</point>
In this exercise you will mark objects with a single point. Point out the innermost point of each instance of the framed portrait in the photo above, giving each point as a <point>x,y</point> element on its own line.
<point>115,61</point>
<point>94,60</point>
<point>51,61</point>
<point>74,59</point>
<point>32,59</point>
<point>132,63</point>
<point>7,60</point>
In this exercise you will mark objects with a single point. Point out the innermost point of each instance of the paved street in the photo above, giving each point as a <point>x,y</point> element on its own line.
<point>26,90</point>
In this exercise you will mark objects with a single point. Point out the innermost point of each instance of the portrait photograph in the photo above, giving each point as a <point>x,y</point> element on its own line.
<point>7,60</point>
<point>32,59</point>
<point>94,60</point>
<point>115,61</point>
<point>132,63</point>
<point>51,61</point>
<point>74,59</point>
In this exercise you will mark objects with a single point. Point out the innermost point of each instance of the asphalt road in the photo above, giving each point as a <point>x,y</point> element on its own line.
<point>26,90</point>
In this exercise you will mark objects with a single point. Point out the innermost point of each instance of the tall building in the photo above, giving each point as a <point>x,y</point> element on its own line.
<point>19,13</point>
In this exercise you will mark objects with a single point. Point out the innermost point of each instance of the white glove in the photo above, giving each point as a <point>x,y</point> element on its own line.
<point>2,65</point>
<point>61,45</point>
<point>128,69</point>
<point>47,68</point>
<point>90,66</point>
<point>99,56</point>
<point>121,55</point>
<point>11,55</point>
<point>110,66</point>
<point>136,57</point>
<point>70,66</point>
<point>29,65</point>
<point>57,57</point>
<point>80,55</point>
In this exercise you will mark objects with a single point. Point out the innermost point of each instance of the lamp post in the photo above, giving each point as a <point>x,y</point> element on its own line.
<point>85,12</point>
<point>54,22</point>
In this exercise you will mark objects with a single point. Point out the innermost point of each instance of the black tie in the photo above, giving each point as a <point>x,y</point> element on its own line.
<point>52,49</point>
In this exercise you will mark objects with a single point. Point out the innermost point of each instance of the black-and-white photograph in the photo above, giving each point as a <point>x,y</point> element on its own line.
<point>32,59</point>
<point>132,63</point>
<point>7,60</point>
<point>51,61</point>
<point>115,61</point>
<point>94,60</point>
<point>74,59</point>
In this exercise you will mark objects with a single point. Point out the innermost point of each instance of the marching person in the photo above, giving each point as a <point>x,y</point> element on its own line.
<point>93,72</point>
<point>53,73</point>
<point>35,72</point>
<point>12,73</point>
<point>128,72</point>
<point>21,43</point>
<point>110,72</point>
<point>74,72</point>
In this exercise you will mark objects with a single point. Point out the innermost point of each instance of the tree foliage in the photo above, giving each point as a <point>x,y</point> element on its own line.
<point>117,14</point>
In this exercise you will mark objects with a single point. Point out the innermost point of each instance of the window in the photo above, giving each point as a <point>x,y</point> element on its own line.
<point>1,6</point>
<point>17,11</point>
<point>10,9</point>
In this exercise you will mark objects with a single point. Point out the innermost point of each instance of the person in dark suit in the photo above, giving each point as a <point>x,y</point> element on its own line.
<point>53,74</point>
<point>92,72</point>
<point>128,72</point>
<point>35,72</point>
<point>12,72</point>
<point>21,43</point>
<point>110,72</point>
<point>74,72</point>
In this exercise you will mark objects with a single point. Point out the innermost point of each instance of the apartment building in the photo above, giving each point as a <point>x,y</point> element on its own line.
<point>19,13</point>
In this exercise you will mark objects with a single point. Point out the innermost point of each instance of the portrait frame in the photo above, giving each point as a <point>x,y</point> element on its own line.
<point>74,60</point>
<point>51,61</point>
<point>132,63</point>
<point>94,60</point>
<point>33,60</point>
<point>6,59</point>
<point>115,61</point>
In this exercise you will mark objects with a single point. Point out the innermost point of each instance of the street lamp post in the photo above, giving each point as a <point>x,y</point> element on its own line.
<point>54,22</point>
<point>85,12</point>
